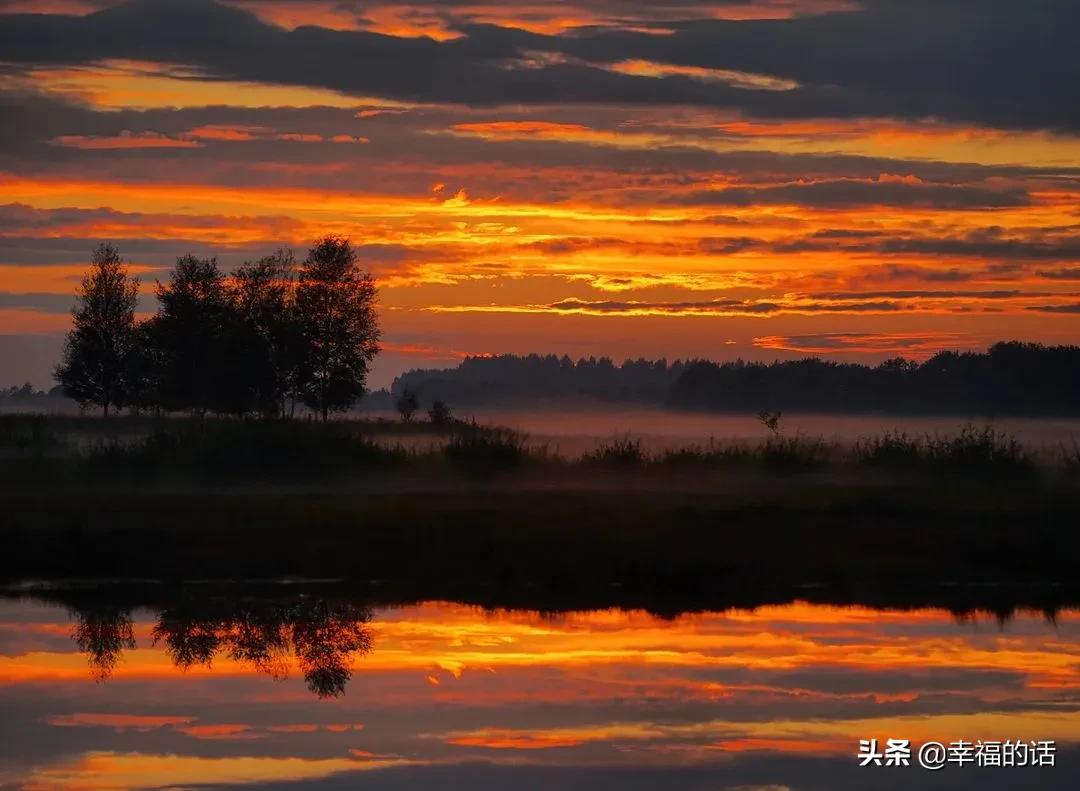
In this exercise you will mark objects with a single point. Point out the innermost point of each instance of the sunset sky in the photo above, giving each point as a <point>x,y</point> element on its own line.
<point>755,178</point>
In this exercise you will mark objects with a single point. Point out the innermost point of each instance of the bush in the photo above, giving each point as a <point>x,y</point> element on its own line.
<point>473,445</point>
<point>623,452</point>
<point>892,449</point>
<point>1071,458</point>
<point>791,454</point>
<point>984,450</point>
<point>28,434</point>
<point>440,414</point>
<point>979,451</point>
<point>243,447</point>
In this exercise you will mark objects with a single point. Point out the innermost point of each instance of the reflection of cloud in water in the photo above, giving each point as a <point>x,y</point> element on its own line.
<point>774,696</point>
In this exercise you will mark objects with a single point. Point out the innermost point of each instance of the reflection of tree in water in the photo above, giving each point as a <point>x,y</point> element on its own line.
<point>323,635</point>
<point>102,633</point>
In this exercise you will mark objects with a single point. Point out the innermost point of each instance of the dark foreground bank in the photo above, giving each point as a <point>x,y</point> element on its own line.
<point>477,515</point>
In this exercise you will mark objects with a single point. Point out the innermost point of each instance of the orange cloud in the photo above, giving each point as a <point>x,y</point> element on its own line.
<point>228,133</point>
<point>108,771</point>
<point>913,345</point>
<point>737,79</point>
<point>219,731</point>
<point>124,140</point>
<point>119,722</point>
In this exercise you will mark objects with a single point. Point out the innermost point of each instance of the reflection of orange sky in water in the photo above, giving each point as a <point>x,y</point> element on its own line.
<point>450,640</point>
<point>104,771</point>
<point>453,657</point>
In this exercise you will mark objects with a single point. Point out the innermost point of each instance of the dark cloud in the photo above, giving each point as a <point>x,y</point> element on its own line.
<point>721,306</point>
<point>997,62</point>
<point>844,193</point>
<point>1073,308</point>
<point>46,303</point>
<point>1065,273</point>
<point>842,295</point>
<point>1018,249</point>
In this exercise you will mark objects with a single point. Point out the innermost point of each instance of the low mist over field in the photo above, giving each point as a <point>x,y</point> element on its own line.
<point>572,431</point>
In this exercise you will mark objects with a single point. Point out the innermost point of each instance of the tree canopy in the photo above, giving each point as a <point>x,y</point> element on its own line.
<point>98,349</point>
<point>256,341</point>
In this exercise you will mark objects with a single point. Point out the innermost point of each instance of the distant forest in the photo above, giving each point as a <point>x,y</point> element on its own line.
<point>1011,378</point>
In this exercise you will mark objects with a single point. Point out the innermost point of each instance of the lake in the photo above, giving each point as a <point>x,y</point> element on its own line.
<point>301,687</point>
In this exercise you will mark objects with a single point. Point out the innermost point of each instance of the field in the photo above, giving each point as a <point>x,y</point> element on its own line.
<point>479,513</point>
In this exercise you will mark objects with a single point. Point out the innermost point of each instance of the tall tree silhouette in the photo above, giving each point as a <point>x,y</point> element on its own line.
<point>205,351</point>
<point>339,331</point>
<point>263,295</point>
<point>97,349</point>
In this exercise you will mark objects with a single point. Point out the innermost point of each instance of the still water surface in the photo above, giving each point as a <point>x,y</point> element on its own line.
<point>321,692</point>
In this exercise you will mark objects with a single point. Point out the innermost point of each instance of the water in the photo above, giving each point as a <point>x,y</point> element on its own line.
<point>286,689</point>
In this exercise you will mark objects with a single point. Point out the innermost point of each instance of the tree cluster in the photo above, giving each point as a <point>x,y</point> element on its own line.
<point>271,335</point>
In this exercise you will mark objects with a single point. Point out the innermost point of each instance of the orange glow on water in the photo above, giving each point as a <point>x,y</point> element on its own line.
<point>799,680</point>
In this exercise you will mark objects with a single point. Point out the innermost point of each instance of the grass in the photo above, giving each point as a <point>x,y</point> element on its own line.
<point>472,446</point>
<point>620,453</point>
<point>973,451</point>
<point>1070,459</point>
<point>179,497</point>
<point>226,449</point>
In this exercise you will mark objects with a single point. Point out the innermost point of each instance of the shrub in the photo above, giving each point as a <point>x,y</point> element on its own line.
<point>791,454</point>
<point>985,451</point>
<point>622,452</point>
<point>440,414</point>
<point>979,451</point>
<point>474,445</point>
<point>1071,458</point>
<point>243,447</point>
<point>27,433</point>
<point>892,449</point>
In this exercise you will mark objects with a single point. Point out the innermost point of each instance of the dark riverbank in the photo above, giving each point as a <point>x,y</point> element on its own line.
<point>478,516</point>
<point>552,549</point>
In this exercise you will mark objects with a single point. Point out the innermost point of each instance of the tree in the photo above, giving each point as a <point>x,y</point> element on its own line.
<point>407,404</point>
<point>188,333</point>
<point>440,413</point>
<point>146,367</point>
<point>263,295</point>
<point>96,352</point>
<point>337,326</point>
<point>770,420</point>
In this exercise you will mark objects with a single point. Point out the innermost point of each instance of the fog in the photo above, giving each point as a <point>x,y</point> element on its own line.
<point>572,431</point>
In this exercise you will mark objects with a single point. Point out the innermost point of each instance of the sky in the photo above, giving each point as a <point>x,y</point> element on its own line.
<point>762,179</point>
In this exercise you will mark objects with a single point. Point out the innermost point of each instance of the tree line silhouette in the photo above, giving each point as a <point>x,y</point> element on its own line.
<point>1010,378</point>
<point>534,378</point>
<point>271,335</point>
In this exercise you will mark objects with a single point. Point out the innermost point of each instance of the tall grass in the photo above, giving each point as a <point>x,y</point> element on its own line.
<point>474,446</point>
<point>978,451</point>
<point>1070,458</point>
<point>622,452</point>
<point>23,434</point>
<point>237,447</point>
<point>228,448</point>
